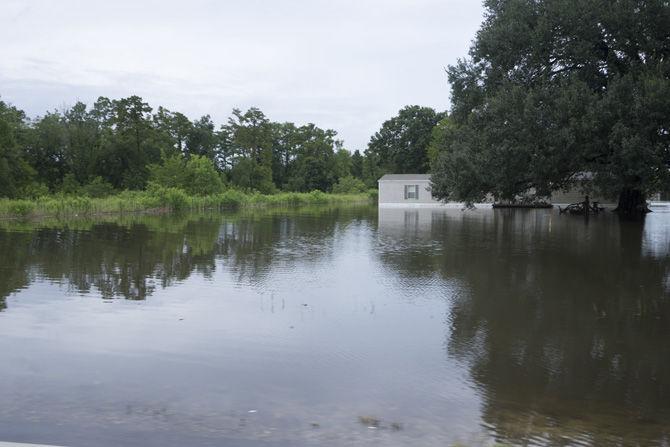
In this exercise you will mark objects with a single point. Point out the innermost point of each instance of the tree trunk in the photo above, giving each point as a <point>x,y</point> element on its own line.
<point>632,203</point>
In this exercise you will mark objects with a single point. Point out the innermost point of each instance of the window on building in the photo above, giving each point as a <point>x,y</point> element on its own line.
<point>411,192</point>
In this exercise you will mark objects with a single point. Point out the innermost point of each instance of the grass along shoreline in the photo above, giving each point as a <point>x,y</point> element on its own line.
<point>163,200</point>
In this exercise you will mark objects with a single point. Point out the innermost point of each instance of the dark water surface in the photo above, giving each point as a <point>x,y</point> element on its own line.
<point>336,326</point>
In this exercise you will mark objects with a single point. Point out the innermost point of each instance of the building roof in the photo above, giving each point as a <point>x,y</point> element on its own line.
<point>405,177</point>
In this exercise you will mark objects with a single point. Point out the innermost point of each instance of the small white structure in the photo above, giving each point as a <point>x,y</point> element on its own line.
<point>414,190</point>
<point>406,189</point>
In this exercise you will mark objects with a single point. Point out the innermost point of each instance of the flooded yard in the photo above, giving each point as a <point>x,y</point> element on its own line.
<point>337,326</point>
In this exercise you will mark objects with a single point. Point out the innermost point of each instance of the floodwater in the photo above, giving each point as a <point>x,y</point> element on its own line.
<point>337,326</point>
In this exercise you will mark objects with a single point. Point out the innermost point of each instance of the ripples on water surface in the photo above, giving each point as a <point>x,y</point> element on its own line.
<point>337,327</point>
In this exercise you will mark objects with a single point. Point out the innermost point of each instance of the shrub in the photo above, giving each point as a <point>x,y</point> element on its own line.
<point>98,187</point>
<point>173,198</point>
<point>202,177</point>
<point>196,176</point>
<point>170,173</point>
<point>81,205</point>
<point>295,199</point>
<point>373,194</point>
<point>249,175</point>
<point>231,199</point>
<point>21,208</point>
<point>35,190</point>
<point>176,199</point>
<point>349,185</point>
<point>318,197</point>
<point>70,185</point>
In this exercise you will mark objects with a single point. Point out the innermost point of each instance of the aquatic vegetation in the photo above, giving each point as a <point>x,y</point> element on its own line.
<point>20,208</point>
<point>164,199</point>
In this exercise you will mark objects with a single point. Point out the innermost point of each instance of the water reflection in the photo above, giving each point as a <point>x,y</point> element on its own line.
<point>262,327</point>
<point>565,326</point>
<point>520,326</point>
<point>114,259</point>
<point>130,258</point>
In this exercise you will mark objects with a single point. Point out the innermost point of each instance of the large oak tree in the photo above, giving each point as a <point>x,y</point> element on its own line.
<point>557,94</point>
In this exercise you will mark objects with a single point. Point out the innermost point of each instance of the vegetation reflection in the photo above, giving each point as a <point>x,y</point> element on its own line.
<point>563,325</point>
<point>130,257</point>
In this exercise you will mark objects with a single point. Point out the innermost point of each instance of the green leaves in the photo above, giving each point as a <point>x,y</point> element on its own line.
<point>555,88</point>
<point>124,144</point>
<point>196,175</point>
<point>15,172</point>
<point>349,185</point>
<point>401,145</point>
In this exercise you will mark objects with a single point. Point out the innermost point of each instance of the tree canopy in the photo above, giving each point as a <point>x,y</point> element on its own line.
<point>15,172</point>
<point>556,94</point>
<point>124,144</point>
<point>401,145</point>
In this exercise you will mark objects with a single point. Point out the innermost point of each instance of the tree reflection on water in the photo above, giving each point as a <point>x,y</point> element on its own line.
<point>561,324</point>
<point>564,324</point>
<point>129,258</point>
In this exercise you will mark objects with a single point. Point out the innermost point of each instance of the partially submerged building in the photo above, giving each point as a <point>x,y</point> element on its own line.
<point>406,189</point>
<point>414,189</point>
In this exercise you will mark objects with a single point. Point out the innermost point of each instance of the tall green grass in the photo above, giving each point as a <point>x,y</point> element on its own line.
<point>160,200</point>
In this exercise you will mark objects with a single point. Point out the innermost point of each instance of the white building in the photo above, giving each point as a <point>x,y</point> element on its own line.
<point>414,189</point>
<point>405,189</point>
<point>410,190</point>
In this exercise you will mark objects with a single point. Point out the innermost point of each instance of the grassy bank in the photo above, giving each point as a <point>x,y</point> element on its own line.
<point>159,200</point>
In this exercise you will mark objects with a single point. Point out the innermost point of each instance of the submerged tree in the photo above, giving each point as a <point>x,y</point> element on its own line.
<point>558,93</point>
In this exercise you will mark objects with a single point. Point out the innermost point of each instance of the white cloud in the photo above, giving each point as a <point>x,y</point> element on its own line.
<point>342,64</point>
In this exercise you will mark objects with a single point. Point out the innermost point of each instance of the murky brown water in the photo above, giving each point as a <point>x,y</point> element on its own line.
<point>337,327</point>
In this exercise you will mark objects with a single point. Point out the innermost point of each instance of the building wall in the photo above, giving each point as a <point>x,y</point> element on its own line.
<point>393,191</point>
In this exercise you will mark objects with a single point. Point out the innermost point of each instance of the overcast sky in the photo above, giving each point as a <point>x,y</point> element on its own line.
<point>347,65</point>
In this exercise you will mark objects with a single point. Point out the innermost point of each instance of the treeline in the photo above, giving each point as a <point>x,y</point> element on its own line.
<point>124,144</point>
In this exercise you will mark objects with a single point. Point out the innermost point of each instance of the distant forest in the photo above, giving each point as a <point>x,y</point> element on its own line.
<point>125,144</point>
